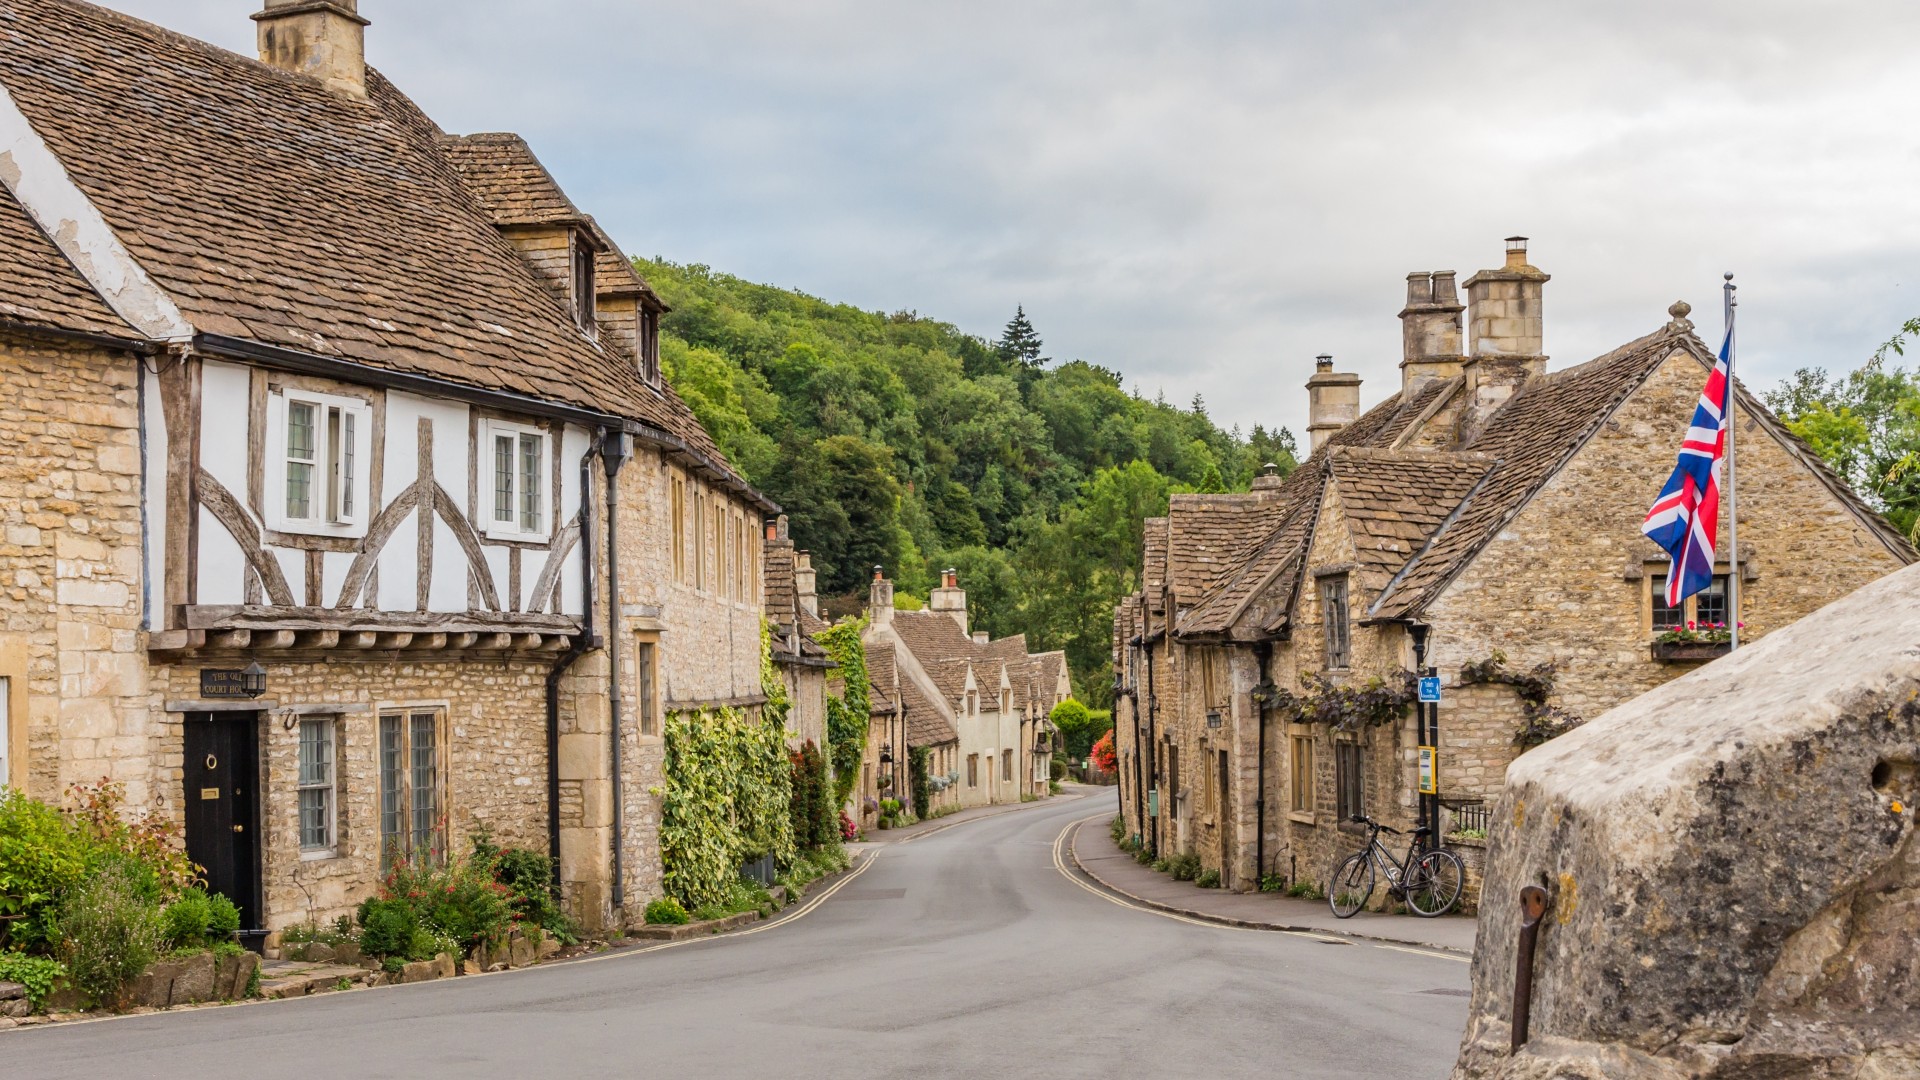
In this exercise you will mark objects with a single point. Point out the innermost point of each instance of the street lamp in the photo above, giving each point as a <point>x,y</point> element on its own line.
<point>253,680</point>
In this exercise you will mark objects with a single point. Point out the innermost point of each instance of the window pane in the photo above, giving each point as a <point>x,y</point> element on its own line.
<point>1711,606</point>
<point>1664,617</point>
<point>346,465</point>
<point>314,814</point>
<point>300,430</point>
<point>425,780</point>
<point>316,752</point>
<point>530,483</point>
<point>503,478</point>
<point>393,818</point>
<point>643,678</point>
<point>1333,614</point>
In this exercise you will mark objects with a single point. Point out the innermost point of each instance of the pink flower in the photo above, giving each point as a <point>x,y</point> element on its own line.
<point>1690,625</point>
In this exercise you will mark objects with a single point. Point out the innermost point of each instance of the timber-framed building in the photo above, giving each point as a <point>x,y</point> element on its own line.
<point>347,513</point>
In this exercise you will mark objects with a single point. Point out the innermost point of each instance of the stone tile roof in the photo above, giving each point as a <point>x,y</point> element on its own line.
<point>1153,568</point>
<point>884,679</point>
<point>776,574</point>
<point>1206,532</point>
<point>1277,560</point>
<point>39,287</point>
<point>936,641</point>
<point>927,725</point>
<point>273,210</point>
<point>1531,436</point>
<point>1394,500</point>
<point>513,186</point>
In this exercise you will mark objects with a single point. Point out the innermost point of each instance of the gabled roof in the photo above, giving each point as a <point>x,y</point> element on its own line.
<point>1536,432</point>
<point>1394,500</point>
<point>275,212</point>
<point>1206,532</point>
<point>40,288</point>
<point>927,724</point>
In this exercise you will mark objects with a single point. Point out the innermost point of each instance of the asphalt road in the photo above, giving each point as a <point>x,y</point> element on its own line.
<point>966,953</point>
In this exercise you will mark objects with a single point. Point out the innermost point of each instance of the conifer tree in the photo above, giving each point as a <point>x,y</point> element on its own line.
<point>1020,344</point>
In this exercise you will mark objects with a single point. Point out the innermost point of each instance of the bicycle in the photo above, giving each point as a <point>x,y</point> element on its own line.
<point>1430,883</point>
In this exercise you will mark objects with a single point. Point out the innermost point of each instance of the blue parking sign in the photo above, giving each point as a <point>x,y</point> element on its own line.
<point>1430,689</point>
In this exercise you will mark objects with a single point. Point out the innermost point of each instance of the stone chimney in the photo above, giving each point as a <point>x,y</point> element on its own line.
<point>1269,479</point>
<point>1333,401</point>
<point>879,600</point>
<point>1504,333</point>
<point>950,598</point>
<point>981,637</point>
<point>321,39</point>
<point>804,591</point>
<point>1429,331</point>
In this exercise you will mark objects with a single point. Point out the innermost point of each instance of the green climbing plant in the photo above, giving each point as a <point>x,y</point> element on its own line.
<point>728,793</point>
<point>848,712</point>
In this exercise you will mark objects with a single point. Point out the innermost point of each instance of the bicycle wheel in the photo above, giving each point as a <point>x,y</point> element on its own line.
<point>1351,885</point>
<point>1434,885</point>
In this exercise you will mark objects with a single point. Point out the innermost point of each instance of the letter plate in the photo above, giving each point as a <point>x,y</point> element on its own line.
<point>209,793</point>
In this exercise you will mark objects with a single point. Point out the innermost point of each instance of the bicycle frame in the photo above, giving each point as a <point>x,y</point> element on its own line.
<point>1394,870</point>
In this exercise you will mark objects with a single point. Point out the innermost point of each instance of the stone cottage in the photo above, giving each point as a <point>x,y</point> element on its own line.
<point>793,617</point>
<point>1488,504</point>
<point>347,513</point>
<point>992,693</point>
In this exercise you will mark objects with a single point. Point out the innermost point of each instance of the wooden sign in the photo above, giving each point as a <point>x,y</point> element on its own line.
<point>227,683</point>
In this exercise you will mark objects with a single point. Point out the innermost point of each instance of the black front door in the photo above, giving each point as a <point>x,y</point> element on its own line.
<point>222,799</point>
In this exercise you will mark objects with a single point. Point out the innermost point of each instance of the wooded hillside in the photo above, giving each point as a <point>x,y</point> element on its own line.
<point>903,442</point>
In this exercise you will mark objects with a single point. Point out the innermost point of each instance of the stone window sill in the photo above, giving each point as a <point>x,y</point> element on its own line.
<point>1304,817</point>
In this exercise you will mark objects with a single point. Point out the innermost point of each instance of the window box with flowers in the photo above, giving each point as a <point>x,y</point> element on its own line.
<point>1694,642</point>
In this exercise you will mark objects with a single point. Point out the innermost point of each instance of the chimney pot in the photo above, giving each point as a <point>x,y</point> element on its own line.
<point>1504,336</point>
<point>1429,331</point>
<point>321,39</point>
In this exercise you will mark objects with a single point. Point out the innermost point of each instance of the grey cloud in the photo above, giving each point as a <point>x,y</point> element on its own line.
<point>1206,194</point>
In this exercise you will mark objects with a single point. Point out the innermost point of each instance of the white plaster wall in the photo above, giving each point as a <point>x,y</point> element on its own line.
<point>224,396</point>
<point>154,494</point>
<point>293,563</point>
<point>333,575</point>
<point>220,577</point>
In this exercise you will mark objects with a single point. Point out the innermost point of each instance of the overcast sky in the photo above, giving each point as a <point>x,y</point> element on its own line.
<point>1204,195</point>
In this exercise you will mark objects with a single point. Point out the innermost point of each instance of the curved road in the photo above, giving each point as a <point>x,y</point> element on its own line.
<point>967,953</point>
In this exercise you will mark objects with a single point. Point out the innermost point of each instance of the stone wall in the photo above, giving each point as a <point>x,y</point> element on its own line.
<point>1567,580</point>
<point>708,642</point>
<point>70,574</point>
<point>494,760</point>
<point>1731,862</point>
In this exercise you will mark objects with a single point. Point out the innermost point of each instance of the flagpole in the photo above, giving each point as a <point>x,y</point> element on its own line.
<point>1733,484</point>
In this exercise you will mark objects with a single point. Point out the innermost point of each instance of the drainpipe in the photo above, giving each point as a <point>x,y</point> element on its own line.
<point>1262,656</point>
<point>615,449</point>
<point>586,641</point>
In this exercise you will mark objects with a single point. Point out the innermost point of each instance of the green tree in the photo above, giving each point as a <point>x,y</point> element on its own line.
<point>1020,344</point>
<point>1866,425</point>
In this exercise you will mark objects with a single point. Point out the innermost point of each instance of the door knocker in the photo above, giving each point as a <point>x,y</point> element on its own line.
<point>212,762</point>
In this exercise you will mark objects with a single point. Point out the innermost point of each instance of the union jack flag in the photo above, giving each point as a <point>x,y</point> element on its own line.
<point>1685,519</point>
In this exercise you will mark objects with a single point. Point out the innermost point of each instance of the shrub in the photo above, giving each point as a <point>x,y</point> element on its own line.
<point>187,919</point>
<point>1272,883</point>
<point>387,926</point>
<point>1117,828</point>
<point>528,878</point>
<point>666,911</point>
<point>461,903</point>
<point>38,974</point>
<point>849,830</point>
<point>1184,867</point>
<point>110,931</point>
<point>42,855</point>
<point>1208,879</point>
<point>1057,769</point>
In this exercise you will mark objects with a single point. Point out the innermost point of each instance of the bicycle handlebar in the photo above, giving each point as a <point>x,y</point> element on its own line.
<point>1362,819</point>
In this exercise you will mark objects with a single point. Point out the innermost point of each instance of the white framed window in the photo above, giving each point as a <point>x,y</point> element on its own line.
<point>515,459</point>
<point>317,787</point>
<point>318,449</point>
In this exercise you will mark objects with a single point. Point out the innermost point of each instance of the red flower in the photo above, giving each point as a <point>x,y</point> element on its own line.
<point>1690,625</point>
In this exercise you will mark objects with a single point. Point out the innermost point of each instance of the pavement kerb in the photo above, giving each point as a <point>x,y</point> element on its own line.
<point>1242,924</point>
<point>818,892</point>
<point>1051,800</point>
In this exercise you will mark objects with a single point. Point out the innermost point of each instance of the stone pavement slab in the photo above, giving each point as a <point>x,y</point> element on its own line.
<point>1095,852</point>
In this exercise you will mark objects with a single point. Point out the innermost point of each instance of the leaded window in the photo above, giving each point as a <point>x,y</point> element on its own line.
<point>1335,621</point>
<point>412,802</point>
<point>316,785</point>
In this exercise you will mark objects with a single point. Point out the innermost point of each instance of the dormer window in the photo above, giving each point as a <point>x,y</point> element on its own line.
<point>583,312</point>
<point>649,345</point>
